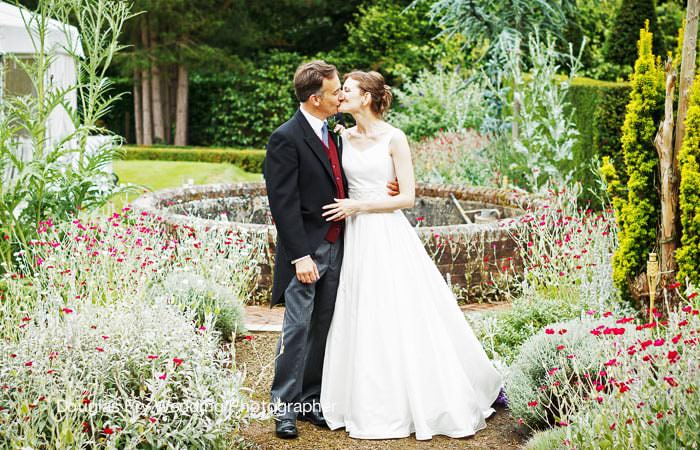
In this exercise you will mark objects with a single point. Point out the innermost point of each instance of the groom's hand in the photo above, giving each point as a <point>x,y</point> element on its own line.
<point>393,187</point>
<point>307,272</point>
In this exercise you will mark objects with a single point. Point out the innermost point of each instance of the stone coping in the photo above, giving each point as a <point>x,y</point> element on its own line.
<point>161,202</point>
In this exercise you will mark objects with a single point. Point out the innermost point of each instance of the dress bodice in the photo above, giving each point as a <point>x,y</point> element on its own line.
<point>368,170</point>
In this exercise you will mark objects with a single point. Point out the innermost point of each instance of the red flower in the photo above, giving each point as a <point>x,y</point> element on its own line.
<point>67,310</point>
<point>163,377</point>
<point>549,331</point>
<point>86,401</point>
<point>687,309</point>
<point>671,381</point>
<point>178,361</point>
<point>676,338</point>
<point>674,285</point>
<point>562,331</point>
<point>561,347</point>
<point>152,419</point>
<point>532,404</point>
<point>625,320</point>
<point>108,431</point>
<point>607,314</point>
<point>612,427</point>
<point>612,362</point>
<point>692,296</point>
<point>99,349</point>
<point>152,356</point>
<point>29,364</point>
<point>623,388</point>
<point>248,338</point>
<point>659,342</point>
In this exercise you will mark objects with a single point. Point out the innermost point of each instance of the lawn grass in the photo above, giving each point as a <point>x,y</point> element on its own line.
<point>157,175</point>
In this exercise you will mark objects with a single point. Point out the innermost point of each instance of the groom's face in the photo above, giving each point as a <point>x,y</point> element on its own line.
<point>330,97</point>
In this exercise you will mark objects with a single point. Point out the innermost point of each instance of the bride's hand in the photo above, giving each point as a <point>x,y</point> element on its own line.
<point>341,209</point>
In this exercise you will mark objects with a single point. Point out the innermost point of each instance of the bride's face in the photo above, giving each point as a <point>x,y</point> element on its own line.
<point>353,97</point>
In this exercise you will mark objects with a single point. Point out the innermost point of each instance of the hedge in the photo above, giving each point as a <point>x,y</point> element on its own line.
<point>599,113</point>
<point>248,160</point>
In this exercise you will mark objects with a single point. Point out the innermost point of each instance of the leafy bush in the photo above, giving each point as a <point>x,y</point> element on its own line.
<point>248,160</point>
<point>132,374</point>
<point>620,44</point>
<point>551,439</point>
<point>650,397</point>
<point>452,158</point>
<point>688,255</point>
<point>538,149</point>
<point>210,302</point>
<point>566,270</point>
<point>395,40</point>
<point>638,213</point>
<point>554,369</point>
<point>44,173</point>
<point>106,260</point>
<point>599,113</point>
<point>436,101</point>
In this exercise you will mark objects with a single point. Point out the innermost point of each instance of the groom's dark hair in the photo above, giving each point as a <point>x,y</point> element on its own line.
<point>309,76</point>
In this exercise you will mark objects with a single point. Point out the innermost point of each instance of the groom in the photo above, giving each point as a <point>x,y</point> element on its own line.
<point>302,173</point>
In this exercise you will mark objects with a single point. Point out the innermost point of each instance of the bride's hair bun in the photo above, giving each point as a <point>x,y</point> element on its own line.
<point>373,82</point>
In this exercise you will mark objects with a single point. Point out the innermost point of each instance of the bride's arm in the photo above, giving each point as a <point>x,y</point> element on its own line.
<point>403,166</point>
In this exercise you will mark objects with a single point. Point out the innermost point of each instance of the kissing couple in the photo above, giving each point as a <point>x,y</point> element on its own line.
<point>373,339</point>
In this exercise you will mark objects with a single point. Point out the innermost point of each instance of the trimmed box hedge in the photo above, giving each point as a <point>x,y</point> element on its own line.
<point>248,160</point>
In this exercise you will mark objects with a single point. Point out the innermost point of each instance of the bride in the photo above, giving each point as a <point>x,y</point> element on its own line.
<point>400,356</point>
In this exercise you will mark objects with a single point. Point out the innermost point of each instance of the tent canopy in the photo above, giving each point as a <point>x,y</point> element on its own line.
<point>15,38</point>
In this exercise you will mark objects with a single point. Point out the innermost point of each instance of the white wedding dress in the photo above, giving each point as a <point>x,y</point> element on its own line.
<point>400,356</point>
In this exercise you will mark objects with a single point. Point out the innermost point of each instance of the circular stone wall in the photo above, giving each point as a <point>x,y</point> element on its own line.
<point>473,257</point>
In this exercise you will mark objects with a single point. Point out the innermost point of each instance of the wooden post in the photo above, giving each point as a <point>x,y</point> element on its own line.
<point>690,38</point>
<point>668,167</point>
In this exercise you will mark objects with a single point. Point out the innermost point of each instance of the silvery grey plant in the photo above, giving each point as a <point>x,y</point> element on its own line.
<point>59,176</point>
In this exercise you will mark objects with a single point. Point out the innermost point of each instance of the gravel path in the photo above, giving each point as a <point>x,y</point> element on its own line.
<point>256,355</point>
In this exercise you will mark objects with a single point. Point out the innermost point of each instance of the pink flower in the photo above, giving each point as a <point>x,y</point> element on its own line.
<point>67,310</point>
<point>163,377</point>
<point>659,342</point>
<point>152,356</point>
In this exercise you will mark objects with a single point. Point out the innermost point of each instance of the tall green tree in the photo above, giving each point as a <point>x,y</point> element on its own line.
<point>630,18</point>
<point>638,214</point>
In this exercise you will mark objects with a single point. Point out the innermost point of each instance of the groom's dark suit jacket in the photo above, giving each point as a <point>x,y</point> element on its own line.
<point>299,182</point>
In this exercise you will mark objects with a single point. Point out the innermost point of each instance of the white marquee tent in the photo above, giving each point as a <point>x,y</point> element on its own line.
<point>17,39</point>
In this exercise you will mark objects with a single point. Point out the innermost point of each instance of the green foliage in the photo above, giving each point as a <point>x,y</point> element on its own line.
<point>209,302</point>
<point>452,158</point>
<point>638,213</point>
<point>688,255</point>
<point>439,100</point>
<point>396,41</point>
<point>249,108</point>
<point>543,362</point>
<point>551,439</point>
<point>248,160</point>
<point>46,174</point>
<point>670,15</point>
<point>599,112</point>
<point>620,46</point>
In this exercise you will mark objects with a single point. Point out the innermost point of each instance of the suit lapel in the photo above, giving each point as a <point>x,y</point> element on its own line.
<point>314,143</point>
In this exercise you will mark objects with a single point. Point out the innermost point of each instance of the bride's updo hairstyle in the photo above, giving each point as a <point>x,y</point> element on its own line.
<point>373,82</point>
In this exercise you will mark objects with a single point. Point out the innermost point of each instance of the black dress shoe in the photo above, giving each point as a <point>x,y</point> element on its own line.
<point>286,428</point>
<point>314,417</point>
